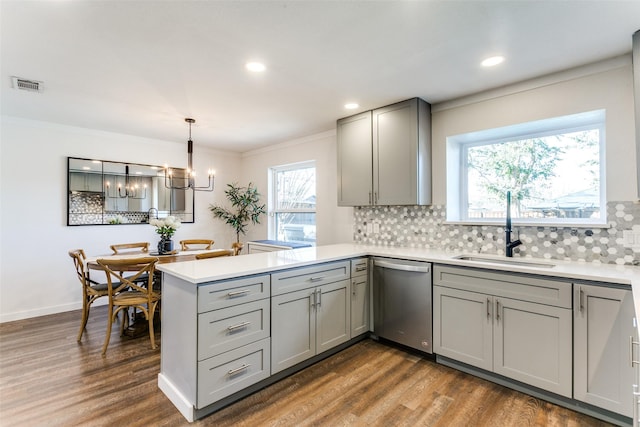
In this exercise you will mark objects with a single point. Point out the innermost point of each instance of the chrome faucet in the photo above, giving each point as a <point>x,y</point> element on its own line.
<point>509,244</point>
<point>149,213</point>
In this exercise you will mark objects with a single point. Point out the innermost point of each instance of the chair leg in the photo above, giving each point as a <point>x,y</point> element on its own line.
<point>151,309</point>
<point>108,337</point>
<point>85,317</point>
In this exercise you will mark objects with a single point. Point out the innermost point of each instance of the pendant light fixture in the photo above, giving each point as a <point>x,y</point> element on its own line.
<point>174,182</point>
<point>131,190</point>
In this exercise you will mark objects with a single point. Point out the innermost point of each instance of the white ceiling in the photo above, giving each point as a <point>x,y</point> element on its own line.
<point>141,67</point>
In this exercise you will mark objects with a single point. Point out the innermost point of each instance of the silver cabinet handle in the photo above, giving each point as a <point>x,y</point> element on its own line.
<point>488,310</point>
<point>632,361</point>
<point>236,370</point>
<point>375,197</point>
<point>370,198</point>
<point>353,288</point>
<point>238,293</point>
<point>361,267</point>
<point>497,310</point>
<point>319,292</point>
<point>426,268</point>
<point>238,326</point>
<point>312,300</point>
<point>316,279</point>
<point>581,299</point>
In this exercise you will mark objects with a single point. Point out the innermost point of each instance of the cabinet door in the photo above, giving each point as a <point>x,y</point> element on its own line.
<point>333,311</point>
<point>462,328</point>
<point>354,160</point>
<point>532,344</point>
<point>359,305</point>
<point>395,154</point>
<point>293,328</point>
<point>603,323</point>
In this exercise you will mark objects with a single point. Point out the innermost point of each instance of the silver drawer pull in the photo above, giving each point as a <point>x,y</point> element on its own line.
<point>361,267</point>
<point>316,279</point>
<point>632,361</point>
<point>236,370</point>
<point>238,326</point>
<point>238,293</point>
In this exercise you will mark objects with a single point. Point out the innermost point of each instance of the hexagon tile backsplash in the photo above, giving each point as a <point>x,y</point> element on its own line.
<point>424,227</point>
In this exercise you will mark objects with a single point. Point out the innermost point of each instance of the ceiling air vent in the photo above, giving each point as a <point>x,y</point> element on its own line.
<point>26,84</point>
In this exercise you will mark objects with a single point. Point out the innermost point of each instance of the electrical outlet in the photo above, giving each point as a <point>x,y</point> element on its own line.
<point>631,239</point>
<point>369,227</point>
<point>376,227</point>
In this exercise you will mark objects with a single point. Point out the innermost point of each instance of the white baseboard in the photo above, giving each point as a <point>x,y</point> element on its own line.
<point>44,311</point>
<point>179,401</point>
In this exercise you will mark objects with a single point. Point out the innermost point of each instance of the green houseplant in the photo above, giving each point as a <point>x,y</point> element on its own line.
<point>246,208</point>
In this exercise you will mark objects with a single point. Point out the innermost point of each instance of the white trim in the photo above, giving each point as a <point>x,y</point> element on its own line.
<point>291,143</point>
<point>499,223</point>
<point>179,401</point>
<point>535,83</point>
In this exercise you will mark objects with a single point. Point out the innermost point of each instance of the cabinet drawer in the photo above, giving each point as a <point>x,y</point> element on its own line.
<point>229,328</point>
<point>233,371</point>
<point>520,287</point>
<point>233,292</point>
<point>359,267</point>
<point>307,277</point>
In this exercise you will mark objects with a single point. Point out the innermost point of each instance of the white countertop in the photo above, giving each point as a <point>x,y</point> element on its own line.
<point>208,270</point>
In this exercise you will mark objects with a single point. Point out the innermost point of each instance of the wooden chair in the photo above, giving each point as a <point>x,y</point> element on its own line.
<point>126,292</point>
<point>184,244</point>
<point>130,247</point>
<point>216,254</point>
<point>237,247</point>
<point>91,290</point>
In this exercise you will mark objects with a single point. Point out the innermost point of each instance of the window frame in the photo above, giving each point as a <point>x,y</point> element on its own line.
<point>457,165</point>
<point>272,197</point>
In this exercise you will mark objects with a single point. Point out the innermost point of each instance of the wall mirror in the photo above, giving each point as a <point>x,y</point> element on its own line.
<point>102,192</point>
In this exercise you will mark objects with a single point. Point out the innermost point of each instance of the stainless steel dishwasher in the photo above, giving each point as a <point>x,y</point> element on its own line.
<point>402,302</point>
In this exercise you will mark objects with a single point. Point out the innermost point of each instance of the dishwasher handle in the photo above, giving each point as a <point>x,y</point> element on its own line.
<point>426,268</point>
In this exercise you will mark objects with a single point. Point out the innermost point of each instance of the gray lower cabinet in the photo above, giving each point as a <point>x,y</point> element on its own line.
<point>479,321</point>
<point>360,296</point>
<point>308,322</point>
<point>603,351</point>
<point>311,314</point>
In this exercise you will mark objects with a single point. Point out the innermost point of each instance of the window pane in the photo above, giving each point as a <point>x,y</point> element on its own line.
<point>556,176</point>
<point>296,189</point>
<point>296,227</point>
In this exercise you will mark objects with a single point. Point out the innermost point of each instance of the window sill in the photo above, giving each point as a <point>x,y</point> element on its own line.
<point>515,223</point>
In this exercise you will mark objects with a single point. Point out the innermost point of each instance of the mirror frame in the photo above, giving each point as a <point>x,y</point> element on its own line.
<point>93,199</point>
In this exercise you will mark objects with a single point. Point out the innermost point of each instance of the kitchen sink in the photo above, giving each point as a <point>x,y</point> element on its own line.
<point>504,261</point>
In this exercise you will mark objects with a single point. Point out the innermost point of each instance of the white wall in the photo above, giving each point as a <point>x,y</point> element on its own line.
<point>333,224</point>
<point>36,274</point>
<point>552,96</point>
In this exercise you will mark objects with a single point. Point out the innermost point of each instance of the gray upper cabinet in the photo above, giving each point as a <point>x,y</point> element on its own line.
<point>384,156</point>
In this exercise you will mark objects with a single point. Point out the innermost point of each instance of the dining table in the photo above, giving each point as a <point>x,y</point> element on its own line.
<point>138,327</point>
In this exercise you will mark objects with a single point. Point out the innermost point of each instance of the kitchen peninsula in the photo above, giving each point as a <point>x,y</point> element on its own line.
<point>201,373</point>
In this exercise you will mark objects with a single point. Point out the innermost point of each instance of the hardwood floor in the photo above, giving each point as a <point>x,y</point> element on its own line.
<point>48,379</point>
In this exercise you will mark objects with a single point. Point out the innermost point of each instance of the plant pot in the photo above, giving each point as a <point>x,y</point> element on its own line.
<point>165,246</point>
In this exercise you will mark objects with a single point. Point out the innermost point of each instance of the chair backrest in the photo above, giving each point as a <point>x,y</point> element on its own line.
<point>215,254</point>
<point>237,247</point>
<point>79,259</point>
<point>185,244</point>
<point>130,247</point>
<point>117,280</point>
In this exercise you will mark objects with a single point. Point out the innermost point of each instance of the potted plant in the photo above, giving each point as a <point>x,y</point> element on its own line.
<point>165,228</point>
<point>246,208</point>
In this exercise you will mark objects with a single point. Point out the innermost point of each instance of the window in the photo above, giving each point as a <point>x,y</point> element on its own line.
<point>554,169</point>
<point>292,201</point>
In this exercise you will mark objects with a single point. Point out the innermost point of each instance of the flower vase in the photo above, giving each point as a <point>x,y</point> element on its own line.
<point>165,246</point>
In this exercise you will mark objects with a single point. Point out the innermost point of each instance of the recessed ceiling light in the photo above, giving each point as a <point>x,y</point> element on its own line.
<point>351,106</point>
<point>256,67</point>
<point>494,60</point>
